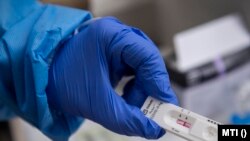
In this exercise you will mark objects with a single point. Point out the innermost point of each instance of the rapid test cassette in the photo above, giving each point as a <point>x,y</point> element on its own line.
<point>181,122</point>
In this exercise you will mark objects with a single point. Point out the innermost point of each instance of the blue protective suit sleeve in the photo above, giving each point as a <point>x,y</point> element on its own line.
<point>29,36</point>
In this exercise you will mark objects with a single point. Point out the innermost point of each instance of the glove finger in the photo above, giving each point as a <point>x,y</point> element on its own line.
<point>144,57</point>
<point>133,95</point>
<point>124,46</point>
<point>129,120</point>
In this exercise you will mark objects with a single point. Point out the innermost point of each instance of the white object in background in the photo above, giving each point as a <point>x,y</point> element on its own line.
<point>204,43</point>
<point>242,105</point>
<point>181,122</point>
<point>219,93</point>
<point>243,99</point>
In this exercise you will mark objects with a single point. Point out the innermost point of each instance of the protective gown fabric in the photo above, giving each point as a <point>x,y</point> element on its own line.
<point>30,35</point>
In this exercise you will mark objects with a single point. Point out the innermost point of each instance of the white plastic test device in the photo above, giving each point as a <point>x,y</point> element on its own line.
<point>181,122</point>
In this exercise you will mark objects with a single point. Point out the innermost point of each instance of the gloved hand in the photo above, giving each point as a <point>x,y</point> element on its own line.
<point>88,67</point>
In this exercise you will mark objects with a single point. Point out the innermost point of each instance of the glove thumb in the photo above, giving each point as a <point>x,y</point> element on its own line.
<point>133,122</point>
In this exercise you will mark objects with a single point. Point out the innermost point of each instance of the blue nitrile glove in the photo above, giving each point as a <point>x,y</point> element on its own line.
<point>90,64</point>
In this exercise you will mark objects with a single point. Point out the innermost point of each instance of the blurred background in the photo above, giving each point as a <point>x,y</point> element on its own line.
<point>205,45</point>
